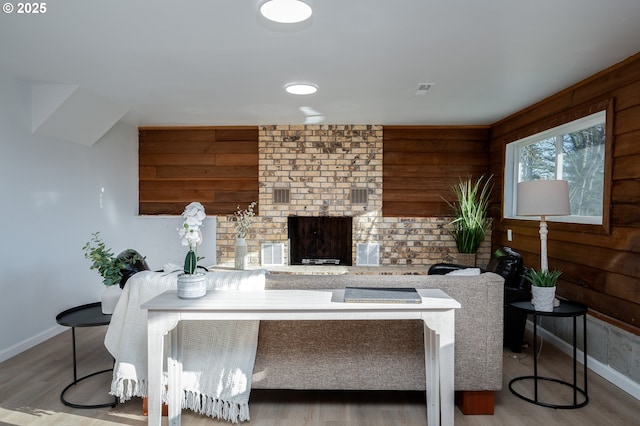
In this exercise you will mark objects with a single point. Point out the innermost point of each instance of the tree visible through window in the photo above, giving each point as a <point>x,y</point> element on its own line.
<point>574,152</point>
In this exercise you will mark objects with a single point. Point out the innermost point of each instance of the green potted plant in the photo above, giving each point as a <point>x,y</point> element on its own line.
<point>114,270</point>
<point>191,283</point>
<point>543,288</point>
<point>470,223</point>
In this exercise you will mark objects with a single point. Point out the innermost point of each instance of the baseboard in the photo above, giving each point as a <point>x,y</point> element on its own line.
<point>20,347</point>
<point>613,376</point>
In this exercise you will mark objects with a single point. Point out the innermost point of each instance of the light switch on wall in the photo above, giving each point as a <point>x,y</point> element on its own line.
<point>509,235</point>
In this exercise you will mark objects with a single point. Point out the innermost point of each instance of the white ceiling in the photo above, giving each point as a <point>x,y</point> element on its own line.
<point>215,62</point>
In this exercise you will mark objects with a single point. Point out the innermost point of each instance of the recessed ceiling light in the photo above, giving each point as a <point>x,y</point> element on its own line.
<point>301,88</point>
<point>286,11</point>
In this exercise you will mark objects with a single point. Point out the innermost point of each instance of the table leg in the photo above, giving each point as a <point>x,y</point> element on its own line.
<point>73,344</point>
<point>566,310</point>
<point>77,380</point>
<point>432,373</point>
<point>584,354</point>
<point>439,364</point>
<point>575,365</point>
<point>174,371</point>
<point>158,325</point>
<point>535,358</point>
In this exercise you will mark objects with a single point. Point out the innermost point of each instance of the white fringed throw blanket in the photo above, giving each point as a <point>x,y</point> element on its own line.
<point>218,356</point>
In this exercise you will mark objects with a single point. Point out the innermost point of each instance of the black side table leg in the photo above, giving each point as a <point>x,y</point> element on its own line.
<point>76,380</point>
<point>584,354</point>
<point>535,357</point>
<point>73,344</point>
<point>575,367</point>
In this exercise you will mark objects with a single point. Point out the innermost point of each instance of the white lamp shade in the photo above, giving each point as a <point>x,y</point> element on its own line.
<point>543,198</point>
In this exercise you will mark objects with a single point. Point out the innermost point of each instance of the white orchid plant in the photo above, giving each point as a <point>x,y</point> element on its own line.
<point>191,235</point>
<point>244,219</point>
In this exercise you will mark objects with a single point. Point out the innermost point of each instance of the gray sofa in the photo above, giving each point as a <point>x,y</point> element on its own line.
<point>385,355</point>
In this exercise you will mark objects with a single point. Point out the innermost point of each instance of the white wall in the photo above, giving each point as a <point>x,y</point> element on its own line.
<point>50,204</point>
<point>156,238</point>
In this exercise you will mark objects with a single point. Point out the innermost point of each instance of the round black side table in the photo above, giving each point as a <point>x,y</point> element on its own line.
<point>565,309</point>
<point>89,315</point>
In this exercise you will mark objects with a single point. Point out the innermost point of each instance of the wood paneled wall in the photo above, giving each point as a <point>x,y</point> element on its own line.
<point>422,164</point>
<point>601,267</point>
<point>217,166</point>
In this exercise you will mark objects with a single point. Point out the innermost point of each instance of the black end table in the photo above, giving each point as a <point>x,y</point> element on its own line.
<point>89,315</point>
<point>565,309</point>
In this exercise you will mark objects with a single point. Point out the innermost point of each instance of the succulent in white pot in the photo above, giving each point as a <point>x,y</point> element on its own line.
<point>543,288</point>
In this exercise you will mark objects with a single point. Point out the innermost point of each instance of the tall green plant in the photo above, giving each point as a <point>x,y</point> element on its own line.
<point>470,211</point>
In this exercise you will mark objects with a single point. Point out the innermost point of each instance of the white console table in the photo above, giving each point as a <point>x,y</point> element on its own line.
<point>167,310</point>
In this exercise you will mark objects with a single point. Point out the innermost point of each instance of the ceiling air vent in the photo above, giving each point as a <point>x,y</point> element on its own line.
<point>422,89</point>
<point>281,195</point>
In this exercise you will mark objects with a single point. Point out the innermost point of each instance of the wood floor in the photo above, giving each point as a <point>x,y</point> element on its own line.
<point>30,386</point>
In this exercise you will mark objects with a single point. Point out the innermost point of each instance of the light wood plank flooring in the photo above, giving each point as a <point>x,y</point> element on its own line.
<point>30,386</point>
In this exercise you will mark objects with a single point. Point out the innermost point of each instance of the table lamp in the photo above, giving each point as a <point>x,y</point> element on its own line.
<point>543,198</point>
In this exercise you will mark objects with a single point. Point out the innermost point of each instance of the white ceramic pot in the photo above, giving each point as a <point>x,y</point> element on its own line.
<point>192,286</point>
<point>241,257</point>
<point>542,298</point>
<point>110,297</point>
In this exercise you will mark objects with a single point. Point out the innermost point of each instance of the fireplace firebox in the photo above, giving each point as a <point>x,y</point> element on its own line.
<point>320,240</point>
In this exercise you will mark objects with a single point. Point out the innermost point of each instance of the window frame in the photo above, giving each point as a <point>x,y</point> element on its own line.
<point>576,122</point>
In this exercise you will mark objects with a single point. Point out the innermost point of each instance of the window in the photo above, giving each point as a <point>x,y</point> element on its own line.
<point>574,152</point>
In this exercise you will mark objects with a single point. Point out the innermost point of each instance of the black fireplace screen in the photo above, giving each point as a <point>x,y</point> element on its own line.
<point>320,240</point>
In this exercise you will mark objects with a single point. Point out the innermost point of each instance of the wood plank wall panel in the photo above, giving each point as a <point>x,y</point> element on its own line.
<point>217,166</point>
<point>600,269</point>
<point>421,164</point>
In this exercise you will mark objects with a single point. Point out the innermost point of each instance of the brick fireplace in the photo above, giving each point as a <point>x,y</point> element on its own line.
<point>334,171</point>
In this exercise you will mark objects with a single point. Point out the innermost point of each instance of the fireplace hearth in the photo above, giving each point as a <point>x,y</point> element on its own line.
<point>320,240</point>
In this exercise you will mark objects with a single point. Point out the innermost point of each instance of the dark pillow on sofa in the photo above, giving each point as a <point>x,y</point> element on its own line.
<point>445,268</point>
<point>506,262</point>
<point>131,269</point>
